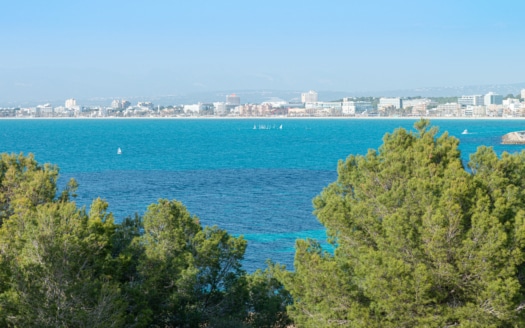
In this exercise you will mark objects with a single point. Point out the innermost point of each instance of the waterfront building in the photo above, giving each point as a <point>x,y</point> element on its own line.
<point>297,112</point>
<point>233,100</point>
<point>478,111</point>
<point>309,97</point>
<point>473,111</point>
<point>352,107</point>
<point>62,111</point>
<point>219,108</point>
<point>467,111</point>
<point>276,103</point>
<point>397,103</point>
<point>145,105</point>
<point>254,110</point>
<point>492,98</point>
<point>325,107</point>
<point>510,101</point>
<point>31,111</point>
<point>120,104</point>
<point>45,110</point>
<point>522,94</point>
<point>515,108</point>
<point>115,104</point>
<point>71,103</point>
<point>417,107</point>
<point>449,109</point>
<point>192,109</point>
<point>206,108</point>
<point>415,102</point>
<point>473,100</point>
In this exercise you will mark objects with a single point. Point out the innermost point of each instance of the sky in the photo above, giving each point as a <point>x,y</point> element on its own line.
<point>111,48</point>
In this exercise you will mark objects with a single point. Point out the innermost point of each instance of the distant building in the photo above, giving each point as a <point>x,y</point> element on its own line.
<point>309,97</point>
<point>145,105</point>
<point>522,93</point>
<point>219,108</point>
<point>415,102</point>
<point>418,106</point>
<point>192,109</point>
<point>120,104</point>
<point>199,108</point>
<point>233,99</point>
<point>254,110</point>
<point>44,110</point>
<point>510,101</point>
<point>276,103</point>
<point>206,108</point>
<point>474,100</point>
<point>324,105</point>
<point>351,107</point>
<point>71,103</point>
<point>397,103</point>
<point>475,111</point>
<point>492,98</point>
<point>449,109</point>
<point>294,112</point>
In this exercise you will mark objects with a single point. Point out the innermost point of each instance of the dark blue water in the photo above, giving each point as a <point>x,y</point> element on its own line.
<point>256,183</point>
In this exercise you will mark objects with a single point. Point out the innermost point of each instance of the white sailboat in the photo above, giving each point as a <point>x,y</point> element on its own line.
<point>119,151</point>
<point>464,131</point>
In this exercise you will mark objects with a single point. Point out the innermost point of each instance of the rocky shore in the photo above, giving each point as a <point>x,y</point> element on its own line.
<point>516,137</point>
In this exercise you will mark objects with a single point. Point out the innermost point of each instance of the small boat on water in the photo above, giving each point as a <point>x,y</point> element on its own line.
<point>464,131</point>
<point>119,151</point>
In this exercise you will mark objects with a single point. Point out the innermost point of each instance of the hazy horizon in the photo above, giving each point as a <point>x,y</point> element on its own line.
<point>64,49</point>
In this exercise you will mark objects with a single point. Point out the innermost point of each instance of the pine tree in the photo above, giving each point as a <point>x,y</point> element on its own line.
<point>420,241</point>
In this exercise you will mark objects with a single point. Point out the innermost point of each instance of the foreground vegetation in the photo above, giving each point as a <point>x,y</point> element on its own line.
<point>62,266</point>
<point>420,241</point>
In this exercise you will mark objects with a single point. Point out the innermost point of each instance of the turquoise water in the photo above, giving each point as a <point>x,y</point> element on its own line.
<point>253,182</point>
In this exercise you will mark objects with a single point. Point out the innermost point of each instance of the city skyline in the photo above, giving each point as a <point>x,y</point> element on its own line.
<point>490,104</point>
<point>61,50</point>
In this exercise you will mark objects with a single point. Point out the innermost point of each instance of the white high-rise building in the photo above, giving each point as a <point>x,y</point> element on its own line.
<point>71,103</point>
<point>309,97</point>
<point>493,99</point>
<point>523,93</point>
<point>397,103</point>
<point>352,107</point>
<point>474,100</point>
<point>219,108</point>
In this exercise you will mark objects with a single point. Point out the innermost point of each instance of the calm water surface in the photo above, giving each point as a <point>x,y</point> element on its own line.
<point>254,182</point>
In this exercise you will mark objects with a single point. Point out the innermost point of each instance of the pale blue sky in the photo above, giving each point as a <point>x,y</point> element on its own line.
<point>62,49</point>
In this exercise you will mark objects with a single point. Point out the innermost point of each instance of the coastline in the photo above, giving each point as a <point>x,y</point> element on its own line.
<point>266,118</point>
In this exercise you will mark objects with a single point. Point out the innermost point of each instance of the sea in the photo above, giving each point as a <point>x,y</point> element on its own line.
<point>251,177</point>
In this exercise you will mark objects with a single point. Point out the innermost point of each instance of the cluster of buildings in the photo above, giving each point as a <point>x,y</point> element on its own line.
<point>488,105</point>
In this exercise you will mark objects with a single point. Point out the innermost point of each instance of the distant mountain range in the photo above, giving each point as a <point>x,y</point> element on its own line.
<point>258,96</point>
<point>502,89</point>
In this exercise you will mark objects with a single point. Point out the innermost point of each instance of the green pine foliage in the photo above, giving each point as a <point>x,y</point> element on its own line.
<point>419,240</point>
<point>63,266</point>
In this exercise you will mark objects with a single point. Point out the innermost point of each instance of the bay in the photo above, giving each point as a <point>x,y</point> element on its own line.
<point>244,175</point>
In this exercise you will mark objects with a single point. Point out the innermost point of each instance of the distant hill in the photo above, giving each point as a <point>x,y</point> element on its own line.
<point>502,89</point>
<point>258,96</point>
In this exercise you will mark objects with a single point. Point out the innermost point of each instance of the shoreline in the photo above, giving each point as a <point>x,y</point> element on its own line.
<point>263,118</point>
